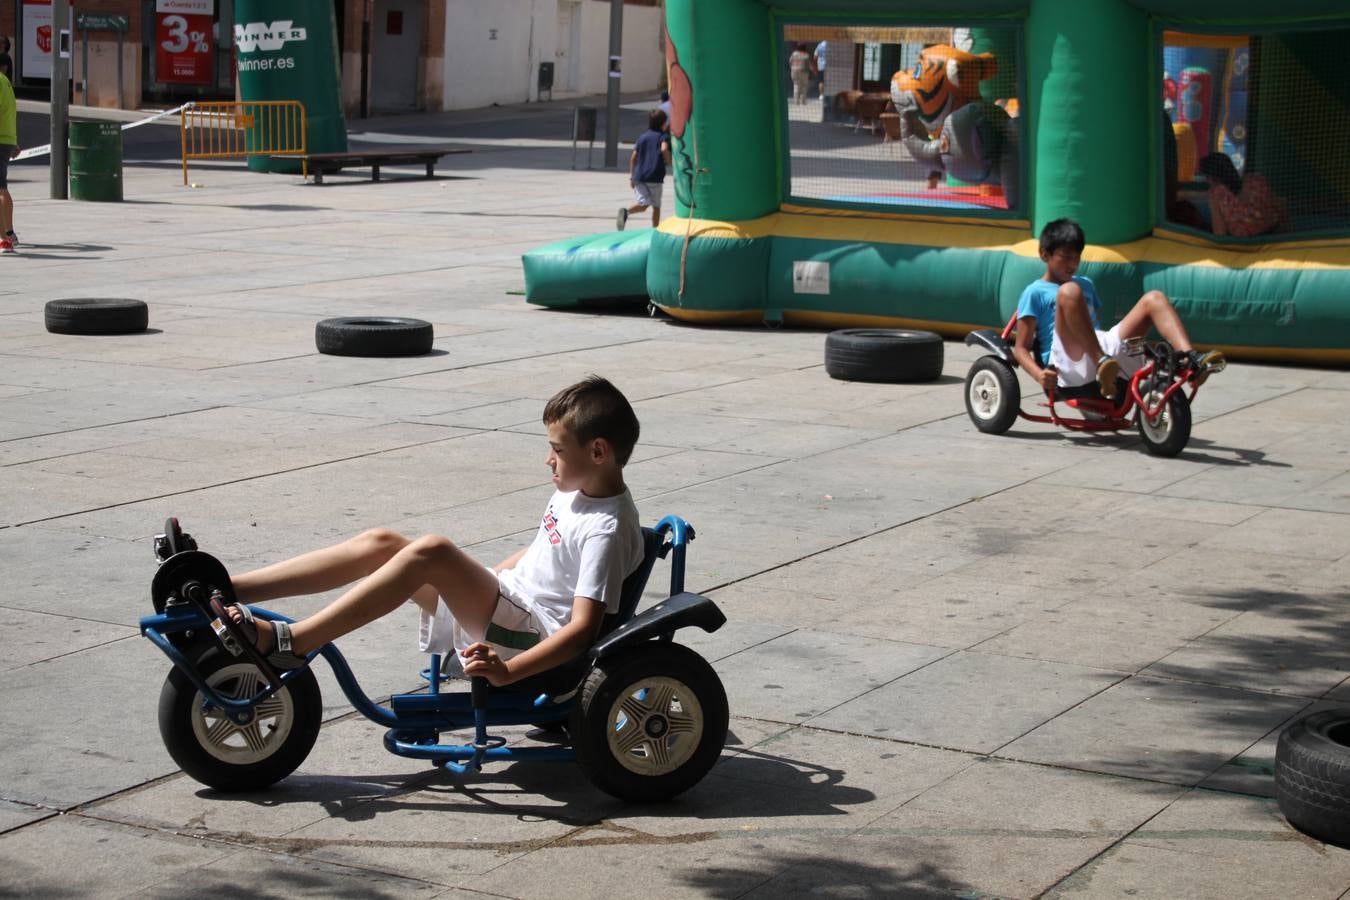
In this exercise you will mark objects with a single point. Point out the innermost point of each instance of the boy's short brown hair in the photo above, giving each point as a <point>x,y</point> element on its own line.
<point>594,408</point>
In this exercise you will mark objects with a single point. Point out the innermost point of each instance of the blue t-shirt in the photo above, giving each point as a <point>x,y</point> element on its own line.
<point>1038,302</point>
<point>651,164</point>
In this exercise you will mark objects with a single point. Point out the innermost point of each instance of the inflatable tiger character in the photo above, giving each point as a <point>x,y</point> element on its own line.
<point>946,125</point>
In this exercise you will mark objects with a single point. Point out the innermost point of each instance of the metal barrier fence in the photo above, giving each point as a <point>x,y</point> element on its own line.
<point>229,129</point>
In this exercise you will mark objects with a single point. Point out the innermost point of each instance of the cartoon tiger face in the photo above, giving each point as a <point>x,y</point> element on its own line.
<point>943,80</point>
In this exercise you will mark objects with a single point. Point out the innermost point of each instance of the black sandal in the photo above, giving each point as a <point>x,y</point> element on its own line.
<point>281,656</point>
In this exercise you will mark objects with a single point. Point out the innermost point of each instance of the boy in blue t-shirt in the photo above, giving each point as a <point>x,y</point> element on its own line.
<point>1058,314</point>
<point>647,169</point>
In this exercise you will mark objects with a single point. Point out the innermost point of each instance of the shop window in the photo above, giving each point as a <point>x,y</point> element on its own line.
<point>1255,134</point>
<point>902,119</point>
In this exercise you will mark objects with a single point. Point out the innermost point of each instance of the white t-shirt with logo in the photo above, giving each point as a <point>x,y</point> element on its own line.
<point>585,547</point>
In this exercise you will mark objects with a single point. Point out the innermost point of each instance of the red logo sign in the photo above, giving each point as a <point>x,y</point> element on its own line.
<point>44,38</point>
<point>185,49</point>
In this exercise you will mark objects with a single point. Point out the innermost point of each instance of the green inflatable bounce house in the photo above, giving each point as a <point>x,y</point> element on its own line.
<point>890,163</point>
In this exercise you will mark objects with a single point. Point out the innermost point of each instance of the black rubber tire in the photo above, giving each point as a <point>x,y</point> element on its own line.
<point>1312,775</point>
<point>993,395</point>
<point>701,697</point>
<point>1174,430</point>
<point>373,336</point>
<point>298,710</point>
<point>887,355</point>
<point>91,316</point>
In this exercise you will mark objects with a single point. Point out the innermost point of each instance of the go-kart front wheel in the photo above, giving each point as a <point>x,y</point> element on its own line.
<point>227,756</point>
<point>992,395</point>
<point>650,723</point>
<point>1167,433</point>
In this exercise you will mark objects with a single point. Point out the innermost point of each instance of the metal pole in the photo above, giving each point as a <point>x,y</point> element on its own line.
<point>615,64</point>
<point>365,60</point>
<point>119,70</point>
<point>60,109</point>
<point>84,62</point>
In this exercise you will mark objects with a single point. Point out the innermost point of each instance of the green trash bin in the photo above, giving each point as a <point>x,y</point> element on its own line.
<point>96,161</point>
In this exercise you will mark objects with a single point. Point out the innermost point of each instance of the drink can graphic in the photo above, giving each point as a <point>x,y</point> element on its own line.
<point>1195,104</point>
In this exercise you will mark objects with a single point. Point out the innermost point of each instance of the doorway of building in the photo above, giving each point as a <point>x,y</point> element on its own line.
<point>567,57</point>
<point>396,53</point>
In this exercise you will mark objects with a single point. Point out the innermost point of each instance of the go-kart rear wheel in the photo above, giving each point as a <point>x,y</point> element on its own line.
<point>221,754</point>
<point>650,723</point>
<point>992,395</point>
<point>1168,432</point>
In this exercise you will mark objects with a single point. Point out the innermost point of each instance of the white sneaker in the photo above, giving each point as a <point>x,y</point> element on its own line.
<point>622,218</point>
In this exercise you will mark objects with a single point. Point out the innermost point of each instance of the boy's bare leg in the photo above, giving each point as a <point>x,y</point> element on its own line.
<point>6,212</point>
<point>1073,324</point>
<point>425,568</point>
<point>637,208</point>
<point>320,570</point>
<point>656,216</point>
<point>1155,310</point>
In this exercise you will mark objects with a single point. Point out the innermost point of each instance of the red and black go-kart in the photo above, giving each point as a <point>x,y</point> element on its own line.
<point>1154,399</point>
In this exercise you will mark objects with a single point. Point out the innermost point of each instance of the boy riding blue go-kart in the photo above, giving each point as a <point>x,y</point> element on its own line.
<point>548,636</point>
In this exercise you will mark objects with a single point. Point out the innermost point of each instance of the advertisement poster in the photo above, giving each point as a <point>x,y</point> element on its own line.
<point>184,41</point>
<point>36,39</point>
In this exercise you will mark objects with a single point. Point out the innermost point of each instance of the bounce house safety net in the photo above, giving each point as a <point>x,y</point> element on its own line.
<point>902,118</point>
<point>1254,143</point>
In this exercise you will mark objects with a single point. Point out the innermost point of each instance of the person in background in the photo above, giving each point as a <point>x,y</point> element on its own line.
<point>6,61</point>
<point>9,148</point>
<point>799,67</point>
<point>1238,206</point>
<point>821,51</point>
<point>647,169</point>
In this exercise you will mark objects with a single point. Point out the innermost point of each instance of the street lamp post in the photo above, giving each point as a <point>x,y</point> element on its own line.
<point>60,104</point>
<point>615,63</point>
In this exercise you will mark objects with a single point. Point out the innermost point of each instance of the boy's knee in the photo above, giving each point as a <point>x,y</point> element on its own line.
<point>1155,299</point>
<point>1069,293</point>
<point>431,547</point>
<point>381,542</point>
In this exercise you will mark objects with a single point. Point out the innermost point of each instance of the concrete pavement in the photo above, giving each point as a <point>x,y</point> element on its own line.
<point>1028,665</point>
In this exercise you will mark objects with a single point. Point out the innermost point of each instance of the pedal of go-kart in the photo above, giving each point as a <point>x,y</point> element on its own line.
<point>223,633</point>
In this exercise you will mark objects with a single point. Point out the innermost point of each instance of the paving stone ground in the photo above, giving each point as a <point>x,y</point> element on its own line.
<point>1017,666</point>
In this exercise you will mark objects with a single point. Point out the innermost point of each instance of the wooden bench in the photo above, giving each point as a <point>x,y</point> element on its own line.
<point>321,164</point>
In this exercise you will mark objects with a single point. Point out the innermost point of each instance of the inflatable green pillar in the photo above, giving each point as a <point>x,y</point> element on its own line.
<point>733,120</point>
<point>1092,126</point>
<point>288,51</point>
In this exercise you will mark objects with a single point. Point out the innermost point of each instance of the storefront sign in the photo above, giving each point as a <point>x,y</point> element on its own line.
<point>184,41</point>
<point>36,38</point>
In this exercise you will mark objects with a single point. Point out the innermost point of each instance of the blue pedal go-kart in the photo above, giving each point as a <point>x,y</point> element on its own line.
<point>644,717</point>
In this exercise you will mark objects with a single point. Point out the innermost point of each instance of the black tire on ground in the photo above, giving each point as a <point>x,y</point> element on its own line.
<point>219,754</point>
<point>650,723</point>
<point>883,354</point>
<point>993,395</point>
<point>91,316</point>
<point>1312,775</point>
<point>373,336</point>
<point>1168,434</point>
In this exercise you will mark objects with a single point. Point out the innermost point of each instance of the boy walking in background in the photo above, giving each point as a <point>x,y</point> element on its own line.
<point>647,169</point>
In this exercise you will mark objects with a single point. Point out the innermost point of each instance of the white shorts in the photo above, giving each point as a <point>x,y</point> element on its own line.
<point>648,193</point>
<point>1075,372</point>
<point>515,626</point>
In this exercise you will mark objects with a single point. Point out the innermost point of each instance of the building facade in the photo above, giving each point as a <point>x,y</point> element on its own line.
<point>411,54</point>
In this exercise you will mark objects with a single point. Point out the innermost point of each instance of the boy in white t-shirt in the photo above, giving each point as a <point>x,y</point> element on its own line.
<point>535,610</point>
